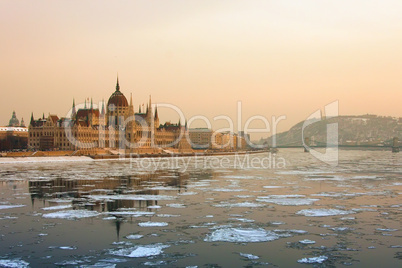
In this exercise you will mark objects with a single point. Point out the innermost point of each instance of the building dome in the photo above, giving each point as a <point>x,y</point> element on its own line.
<point>14,122</point>
<point>117,98</point>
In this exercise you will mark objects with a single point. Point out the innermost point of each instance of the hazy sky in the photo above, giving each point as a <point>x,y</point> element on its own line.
<point>277,57</point>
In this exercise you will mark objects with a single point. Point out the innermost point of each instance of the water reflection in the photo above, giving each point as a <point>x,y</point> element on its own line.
<point>81,191</point>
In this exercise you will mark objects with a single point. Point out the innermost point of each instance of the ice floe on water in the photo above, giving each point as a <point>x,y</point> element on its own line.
<point>241,235</point>
<point>341,229</point>
<point>242,219</point>
<point>188,193</point>
<point>307,241</point>
<point>140,251</point>
<point>277,222</point>
<point>239,205</point>
<point>17,263</point>
<point>71,214</point>
<point>63,247</point>
<point>319,259</point>
<point>152,224</point>
<point>57,207</point>
<point>134,236</point>
<point>154,207</point>
<point>249,256</point>
<point>289,201</point>
<point>167,215</point>
<point>130,213</point>
<point>227,190</point>
<point>176,205</point>
<point>11,206</point>
<point>386,230</point>
<point>322,212</point>
<point>283,196</point>
<point>131,197</point>
<point>8,218</point>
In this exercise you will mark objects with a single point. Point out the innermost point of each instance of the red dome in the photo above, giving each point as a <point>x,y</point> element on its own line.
<point>117,98</point>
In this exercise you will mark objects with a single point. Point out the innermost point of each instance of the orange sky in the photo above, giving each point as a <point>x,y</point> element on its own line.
<point>277,57</point>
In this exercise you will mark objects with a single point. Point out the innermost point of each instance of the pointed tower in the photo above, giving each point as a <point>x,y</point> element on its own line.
<point>92,105</point>
<point>73,110</point>
<point>131,107</point>
<point>85,105</point>
<point>22,122</point>
<point>156,117</point>
<point>156,112</point>
<point>103,108</point>
<point>32,120</point>
<point>139,108</point>
<point>117,84</point>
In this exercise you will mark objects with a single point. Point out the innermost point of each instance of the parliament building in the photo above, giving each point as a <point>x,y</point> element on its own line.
<point>116,130</point>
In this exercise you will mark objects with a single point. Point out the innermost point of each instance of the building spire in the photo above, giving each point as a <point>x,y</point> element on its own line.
<point>131,99</point>
<point>103,107</point>
<point>139,108</point>
<point>85,106</point>
<point>92,104</point>
<point>32,119</point>
<point>73,112</point>
<point>117,84</point>
<point>156,112</point>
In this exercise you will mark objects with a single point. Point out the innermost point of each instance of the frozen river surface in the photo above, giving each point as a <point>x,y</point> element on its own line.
<point>286,210</point>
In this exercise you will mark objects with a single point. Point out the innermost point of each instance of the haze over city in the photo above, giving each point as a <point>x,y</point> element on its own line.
<point>276,57</point>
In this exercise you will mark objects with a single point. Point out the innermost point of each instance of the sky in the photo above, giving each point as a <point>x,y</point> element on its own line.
<point>278,58</point>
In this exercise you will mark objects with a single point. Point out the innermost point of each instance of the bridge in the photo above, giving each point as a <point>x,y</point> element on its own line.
<point>394,147</point>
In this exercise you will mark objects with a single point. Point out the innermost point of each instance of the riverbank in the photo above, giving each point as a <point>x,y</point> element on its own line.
<point>63,157</point>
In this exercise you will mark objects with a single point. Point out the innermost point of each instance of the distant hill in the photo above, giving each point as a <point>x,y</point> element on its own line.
<point>352,130</point>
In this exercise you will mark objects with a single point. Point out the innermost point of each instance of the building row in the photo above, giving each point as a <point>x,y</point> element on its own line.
<point>119,129</point>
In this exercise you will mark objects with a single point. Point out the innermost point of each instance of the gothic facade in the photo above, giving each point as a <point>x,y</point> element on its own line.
<point>118,129</point>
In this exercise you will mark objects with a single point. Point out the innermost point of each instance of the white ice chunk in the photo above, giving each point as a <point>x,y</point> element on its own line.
<point>140,251</point>
<point>167,215</point>
<point>176,205</point>
<point>289,201</point>
<point>249,256</point>
<point>71,214</point>
<point>130,213</point>
<point>240,205</point>
<point>154,206</point>
<point>188,193</point>
<point>386,230</point>
<point>134,236</point>
<point>322,212</point>
<point>10,206</point>
<point>17,263</point>
<point>227,190</point>
<point>319,259</point>
<point>131,197</point>
<point>241,235</point>
<point>57,207</point>
<point>153,224</point>
<point>307,241</point>
<point>283,196</point>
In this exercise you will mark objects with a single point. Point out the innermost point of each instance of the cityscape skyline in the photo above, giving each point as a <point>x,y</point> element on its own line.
<point>204,56</point>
